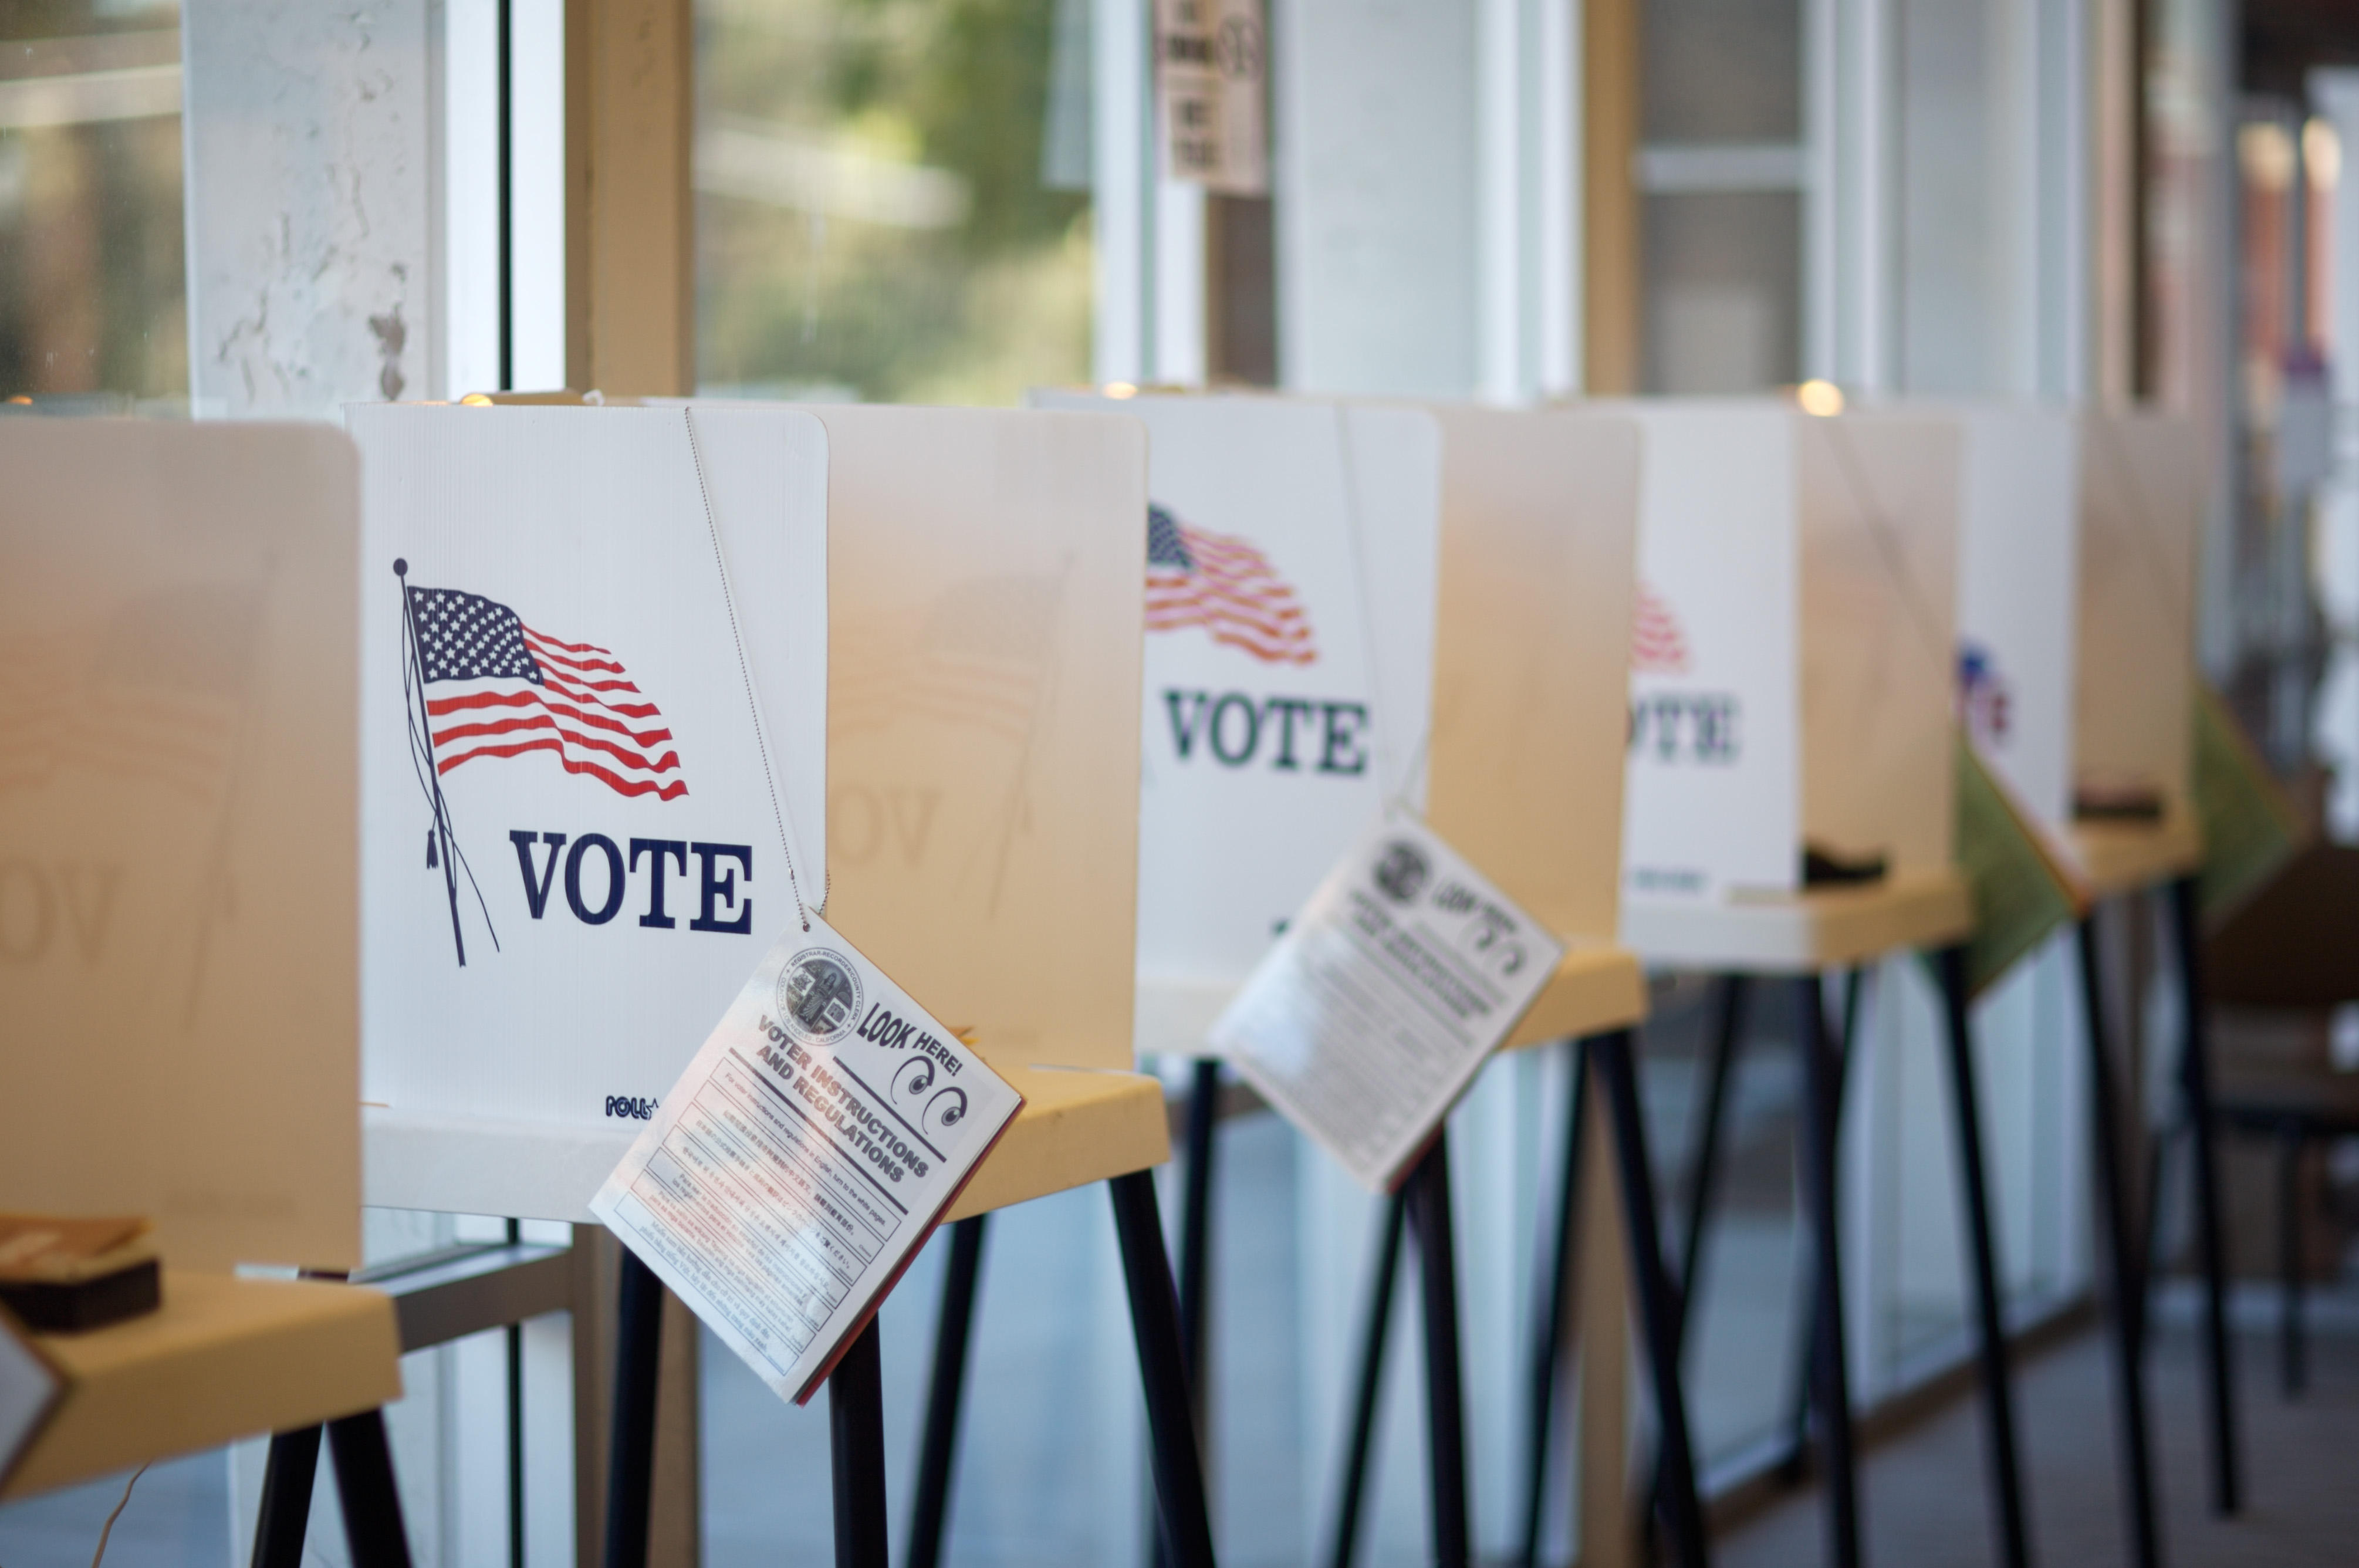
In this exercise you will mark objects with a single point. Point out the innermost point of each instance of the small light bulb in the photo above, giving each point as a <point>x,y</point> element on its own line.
<point>475,401</point>
<point>1121,389</point>
<point>1823,398</point>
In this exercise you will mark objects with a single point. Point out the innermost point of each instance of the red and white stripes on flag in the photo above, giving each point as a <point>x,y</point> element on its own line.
<point>525,690</point>
<point>1657,646</point>
<point>1227,586</point>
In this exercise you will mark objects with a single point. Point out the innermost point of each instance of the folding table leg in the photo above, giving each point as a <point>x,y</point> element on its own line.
<point>1727,1035</point>
<point>2292,1366</point>
<point>938,1449</point>
<point>1703,1177</point>
<point>1998,1393</point>
<point>1361,1437</point>
<point>1196,1224</point>
<point>1806,1312</point>
<point>630,1467</point>
<point>1555,1300</point>
<point>2195,1072</point>
<point>372,1529</point>
<point>1618,1076</point>
<point>1445,1406</point>
<point>2127,1278</point>
<point>287,1480</point>
<point>1155,1323</point>
<point>1829,1375</point>
<point>855,1426</point>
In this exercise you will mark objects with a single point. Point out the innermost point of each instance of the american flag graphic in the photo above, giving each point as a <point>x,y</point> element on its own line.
<point>1657,646</point>
<point>1227,587</point>
<point>526,691</point>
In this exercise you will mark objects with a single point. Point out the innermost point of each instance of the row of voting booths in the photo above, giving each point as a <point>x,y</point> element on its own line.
<point>428,788</point>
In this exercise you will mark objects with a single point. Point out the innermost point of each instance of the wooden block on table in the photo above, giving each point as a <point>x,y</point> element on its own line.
<point>222,1358</point>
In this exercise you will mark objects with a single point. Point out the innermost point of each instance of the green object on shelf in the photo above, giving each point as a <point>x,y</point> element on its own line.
<point>2250,828</point>
<point>2020,895</point>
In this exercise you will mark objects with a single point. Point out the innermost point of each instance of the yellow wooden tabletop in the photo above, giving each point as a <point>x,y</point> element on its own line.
<point>2112,858</point>
<point>1815,928</point>
<point>1078,1125</point>
<point>222,1358</point>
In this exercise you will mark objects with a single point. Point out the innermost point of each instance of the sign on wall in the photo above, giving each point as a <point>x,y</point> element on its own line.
<point>1210,75</point>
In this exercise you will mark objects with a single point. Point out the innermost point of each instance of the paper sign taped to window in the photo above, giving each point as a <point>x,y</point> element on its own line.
<point>1377,1008</point>
<point>805,1155</point>
<point>1211,61</point>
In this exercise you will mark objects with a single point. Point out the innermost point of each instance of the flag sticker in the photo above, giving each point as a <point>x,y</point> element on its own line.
<point>1227,587</point>
<point>1657,646</point>
<point>529,691</point>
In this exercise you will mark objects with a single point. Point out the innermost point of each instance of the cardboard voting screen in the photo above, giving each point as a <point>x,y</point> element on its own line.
<point>2141,517</point>
<point>593,695</point>
<point>1531,655</point>
<point>982,717</point>
<point>1714,769</point>
<point>1290,555</point>
<point>1791,650</point>
<point>179,948</point>
<point>1879,500</point>
<point>2018,566</point>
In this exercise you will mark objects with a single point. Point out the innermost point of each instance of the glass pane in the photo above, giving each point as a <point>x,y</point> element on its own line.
<point>1724,291</point>
<point>1721,71</point>
<point>92,293</point>
<point>892,197</point>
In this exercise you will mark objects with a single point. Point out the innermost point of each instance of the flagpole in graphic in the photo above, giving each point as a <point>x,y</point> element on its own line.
<point>425,725</point>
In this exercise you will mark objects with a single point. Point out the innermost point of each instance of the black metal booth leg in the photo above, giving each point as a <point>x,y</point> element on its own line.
<point>287,1481</point>
<point>372,1529</point>
<point>1806,1314</point>
<point>1427,1191</point>
<point>1703,1175</point>
<point>938,1448</point>
<point>1829,1375</point>
<point>855,1426</point>
<point>1618,1076</point>
<point>630,1470</point>
<point>2005,1478</point>
<point>1555,1304</point>
<point>2126,1276</point>
<point>1361,1436</point>
<point>2292,1363</point>
<point>2195,1072</point>
<point>1196,1224</point>
<point>1187,1528</point>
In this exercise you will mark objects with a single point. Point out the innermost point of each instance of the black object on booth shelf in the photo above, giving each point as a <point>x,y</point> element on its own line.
<point>1822,868</point>
<point>63,1276</point>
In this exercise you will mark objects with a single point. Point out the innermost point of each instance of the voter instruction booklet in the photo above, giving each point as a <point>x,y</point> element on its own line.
<point>1375,1010</point>
<point>804,1157</point>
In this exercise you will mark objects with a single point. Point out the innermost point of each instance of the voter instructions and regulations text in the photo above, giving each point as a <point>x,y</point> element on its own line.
<point>804,1155</point>
<point>1378,1005</point>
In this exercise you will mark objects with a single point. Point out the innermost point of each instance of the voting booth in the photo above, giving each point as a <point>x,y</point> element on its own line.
<point>2141,511</point>
<point>1790,683</point>
<point>1353,606</point>
<point>179,926</point>
<point>684,671</point>
<point>1791,795</point>
<point>2018,604</point>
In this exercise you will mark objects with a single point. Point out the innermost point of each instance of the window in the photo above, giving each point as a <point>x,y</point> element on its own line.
<point>892,197</point>
<point>92,293</point>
